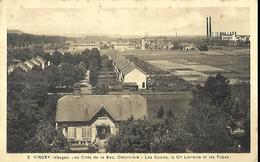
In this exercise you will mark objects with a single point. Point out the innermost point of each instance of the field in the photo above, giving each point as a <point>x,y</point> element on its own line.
<point>178,103</point>
<point>196,67</point>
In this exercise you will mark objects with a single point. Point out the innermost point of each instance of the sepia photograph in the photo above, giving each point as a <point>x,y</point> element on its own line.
<point>128,79</point>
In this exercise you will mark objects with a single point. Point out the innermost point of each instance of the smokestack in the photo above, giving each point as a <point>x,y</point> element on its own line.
<point>210,26</point>
<point>207,27</point>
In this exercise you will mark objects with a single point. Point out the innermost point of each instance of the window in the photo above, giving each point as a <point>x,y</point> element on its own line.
<point>71,132</point>
<point>75,132</point>
<point>143,85</point>
<point>89,132</point>
<point>83,132</point>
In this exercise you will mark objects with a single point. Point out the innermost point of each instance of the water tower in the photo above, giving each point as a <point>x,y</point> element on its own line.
<point>143,44</point>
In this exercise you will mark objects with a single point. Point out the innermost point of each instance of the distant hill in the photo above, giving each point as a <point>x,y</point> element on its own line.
<point>15,31</point>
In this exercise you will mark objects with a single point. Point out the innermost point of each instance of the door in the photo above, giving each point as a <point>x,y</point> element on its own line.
<point>103,131</point>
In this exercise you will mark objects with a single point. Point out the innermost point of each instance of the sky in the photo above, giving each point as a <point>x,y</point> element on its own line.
<point>128,21</point>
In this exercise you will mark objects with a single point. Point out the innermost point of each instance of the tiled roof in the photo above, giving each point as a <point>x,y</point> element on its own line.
<point>39,58</point>
<point>29,63</point>
<point>113,55</point>
<point>23,66</point>
<point>130,67</point>
<point>121,62</point>
<point>83,108</point>
<point>35,61</point>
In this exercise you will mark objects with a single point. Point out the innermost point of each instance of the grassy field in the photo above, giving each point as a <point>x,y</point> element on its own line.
<point>235,61</point>
<point>178,103</point>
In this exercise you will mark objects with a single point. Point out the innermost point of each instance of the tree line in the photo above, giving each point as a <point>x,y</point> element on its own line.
<point>216,110</point>
<point>31,111</point>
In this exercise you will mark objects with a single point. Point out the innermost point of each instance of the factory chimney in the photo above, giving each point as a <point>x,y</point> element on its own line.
<point>209,26</point>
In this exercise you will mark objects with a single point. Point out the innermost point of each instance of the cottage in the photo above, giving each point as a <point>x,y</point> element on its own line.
<point>87,119</point>
<point>41,60</point>
<point>29,63</point>
<point>23,66</point>
<point>133,74</point>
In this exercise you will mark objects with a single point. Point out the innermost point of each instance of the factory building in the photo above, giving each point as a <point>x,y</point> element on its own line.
<point>79,47</point>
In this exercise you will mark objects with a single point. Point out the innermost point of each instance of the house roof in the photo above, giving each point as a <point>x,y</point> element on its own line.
<point>113,55</point>
<point>130,67</point>
<point>35,61</point>
<point>39,58</point>
<point>29,63</point>
<point>23,66</point>
<point>83,108</point>
<point>121,62</point>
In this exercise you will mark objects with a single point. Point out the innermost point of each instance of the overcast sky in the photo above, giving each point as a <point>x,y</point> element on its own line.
<point>128,21</point>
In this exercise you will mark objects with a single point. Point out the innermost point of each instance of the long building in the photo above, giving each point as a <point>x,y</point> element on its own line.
<point>127,72</point>
<point>79,47</point>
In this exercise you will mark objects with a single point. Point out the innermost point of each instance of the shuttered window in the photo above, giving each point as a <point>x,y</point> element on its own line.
<point>89,132</point>
<point>83,132</point>
<point>71,132</point>
<point>75,132</point>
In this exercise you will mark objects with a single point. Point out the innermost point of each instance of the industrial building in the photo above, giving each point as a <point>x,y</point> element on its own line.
<point>225,36</point>
<point>79,47</point>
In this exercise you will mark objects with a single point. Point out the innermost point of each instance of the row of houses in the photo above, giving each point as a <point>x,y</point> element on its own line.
<point>29,64</point>
<point>127,72</point>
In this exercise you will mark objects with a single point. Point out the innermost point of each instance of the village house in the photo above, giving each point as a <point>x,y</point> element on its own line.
<point>28,64</point>
<point>126,71</point>
<point>90,119</point>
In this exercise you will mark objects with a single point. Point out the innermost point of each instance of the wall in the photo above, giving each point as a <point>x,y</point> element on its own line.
<point>91,131</point>
<point>136,76</point>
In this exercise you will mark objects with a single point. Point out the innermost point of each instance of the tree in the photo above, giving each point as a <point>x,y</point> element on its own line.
<point>93,78</point>
<point>56,58</point>
<point>218,89</point>
<point>82,68</point>
<point>101,88</point>
<point>68,58</point>
<point>170,115</point>
<point>160,113</point>
<point>207,120</point>
<point>144,136</point>
<point>203,47</point>
<point>48,139</point>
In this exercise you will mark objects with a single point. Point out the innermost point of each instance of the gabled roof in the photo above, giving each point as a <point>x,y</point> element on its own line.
<point>121,62</point>
<point>113,55</point>
<point>82,108</point>
<point>35,61</point>
<point>29,63</point>
<point>39,58</point>
<point>130,67</point>
<point>23,66</point>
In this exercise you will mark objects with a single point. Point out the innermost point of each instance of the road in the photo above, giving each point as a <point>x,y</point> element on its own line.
<point>87,88</point>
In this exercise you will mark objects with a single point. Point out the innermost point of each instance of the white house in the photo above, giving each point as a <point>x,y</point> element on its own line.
<point>29,63</point>
<point>133,74</point>
<point>42,61</point>
<point>89,119</point>
<point>127,71</point>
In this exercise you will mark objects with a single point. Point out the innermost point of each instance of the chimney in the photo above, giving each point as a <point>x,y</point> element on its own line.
<point>77,90</point>
<point>143,44</point>
<point>209,26</point>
